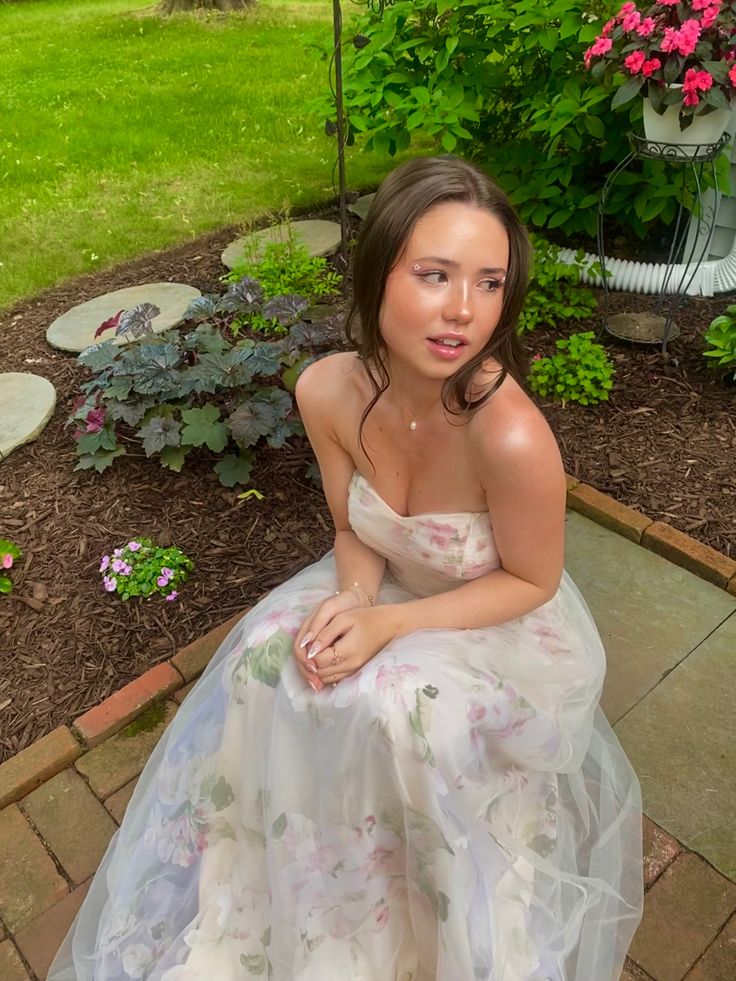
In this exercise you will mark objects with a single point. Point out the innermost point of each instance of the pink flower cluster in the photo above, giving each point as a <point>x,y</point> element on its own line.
<point>637,62</point>
<point>683,41</point>
<point>164,579</point>
<point>7,562</point>
<point>695,82</point>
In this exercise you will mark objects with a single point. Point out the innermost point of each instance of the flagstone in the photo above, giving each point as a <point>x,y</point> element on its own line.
<point>718,963</point>
<point>680,742</point>
<point>75,329</point>
<point>117,803</point>
<point>650,613</point>
<point>40,940</point>
<point>11,966</point>
<point>29,882</point>
<point>319,237</point>
<point>362,205</point>
<point>28,402</point>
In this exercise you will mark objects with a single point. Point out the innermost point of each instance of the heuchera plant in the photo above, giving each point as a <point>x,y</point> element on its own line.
<point>678,53</point>
<point>8,554</point>
<point>142,568</point>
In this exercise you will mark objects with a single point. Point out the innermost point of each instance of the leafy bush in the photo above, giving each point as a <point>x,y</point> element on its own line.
<point>581,372</point>
<point>554,291</point>
<point>142,568</point>
<point>8,554</point>
<point>176,393</point>
<point>503,82</point>
<point>285,268</point>
<point>721,340</point>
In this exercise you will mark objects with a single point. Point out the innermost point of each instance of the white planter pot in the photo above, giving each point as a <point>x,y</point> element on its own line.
<point>703,131</point>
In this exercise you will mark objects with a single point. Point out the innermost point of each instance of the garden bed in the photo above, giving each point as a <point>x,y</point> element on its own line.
<point>665,443</point>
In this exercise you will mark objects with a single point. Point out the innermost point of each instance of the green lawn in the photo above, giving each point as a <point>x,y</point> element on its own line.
<point>121,132</point>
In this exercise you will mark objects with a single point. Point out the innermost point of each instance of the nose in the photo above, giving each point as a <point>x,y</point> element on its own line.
<point>458,304</point>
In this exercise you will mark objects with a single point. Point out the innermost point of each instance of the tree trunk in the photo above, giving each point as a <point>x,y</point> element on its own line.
<point>176,6</point>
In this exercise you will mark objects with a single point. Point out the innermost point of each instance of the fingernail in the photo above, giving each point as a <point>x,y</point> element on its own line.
<point>311,667</point>
<point>314,687</point>
<point>314,649</point>
<point>305,640</point>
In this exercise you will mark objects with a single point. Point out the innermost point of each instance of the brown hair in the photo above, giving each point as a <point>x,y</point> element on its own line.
<point>403,197</point>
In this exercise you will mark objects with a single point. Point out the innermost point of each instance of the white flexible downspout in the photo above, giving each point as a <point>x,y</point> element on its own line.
<point>713,276</point>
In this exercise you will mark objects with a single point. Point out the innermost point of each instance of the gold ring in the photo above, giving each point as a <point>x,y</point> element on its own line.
<point>335,657</point>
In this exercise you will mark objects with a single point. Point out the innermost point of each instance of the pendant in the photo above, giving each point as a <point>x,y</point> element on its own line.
<point>413,425</point>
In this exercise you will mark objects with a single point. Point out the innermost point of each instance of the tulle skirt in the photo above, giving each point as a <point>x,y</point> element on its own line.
<point>458,810</point>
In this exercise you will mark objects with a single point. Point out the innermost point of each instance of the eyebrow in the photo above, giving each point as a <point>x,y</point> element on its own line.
<point>456,265</point>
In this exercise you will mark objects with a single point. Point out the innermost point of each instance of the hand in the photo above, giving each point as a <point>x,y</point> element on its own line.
<point>347,642</point>
<point>318,619</point>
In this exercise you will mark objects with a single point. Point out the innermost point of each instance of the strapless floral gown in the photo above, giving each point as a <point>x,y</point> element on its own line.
<point>459,810</point>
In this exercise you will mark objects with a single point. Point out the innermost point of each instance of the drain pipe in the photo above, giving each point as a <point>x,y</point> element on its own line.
<point>713,276</point>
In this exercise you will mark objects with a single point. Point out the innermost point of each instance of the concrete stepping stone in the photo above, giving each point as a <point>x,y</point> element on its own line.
<point>28,403</point>
<point>361,206</point>
<point>75,329</point>
<point>319,237</point>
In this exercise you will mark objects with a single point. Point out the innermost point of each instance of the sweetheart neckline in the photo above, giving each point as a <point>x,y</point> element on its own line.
<point>409,517</point>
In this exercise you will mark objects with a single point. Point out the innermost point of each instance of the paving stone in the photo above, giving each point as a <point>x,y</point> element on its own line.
<point>40,940</point>
<point>72,822</point>
<point>362,205</point>
<point>126,704</point>
<point>659,850</point>
<point>191,660</point>
<point>75,329</point>
<point>683,912</point>
<point>113,763</point>
<point>28,402</point>
<point>29,882</point>
<point>180,695</point>
<point>117,803</point>
<point>319,237</point>
<point>680,742</point>
<point>649,616</point>
<point>718,963</point>
<point>11,966</point>
<point>633,972</point>
<point>40,761</point>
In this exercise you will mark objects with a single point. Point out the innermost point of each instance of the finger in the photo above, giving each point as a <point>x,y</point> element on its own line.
<point>311,678</point>
<point>337,627</point>
<point>332,662</point>
<point>318,622</point>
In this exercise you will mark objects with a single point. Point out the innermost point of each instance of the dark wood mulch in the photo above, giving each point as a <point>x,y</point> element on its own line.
<point>665,443</point>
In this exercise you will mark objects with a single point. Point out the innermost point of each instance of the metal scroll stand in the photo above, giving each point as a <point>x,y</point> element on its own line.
<point>678,274</point>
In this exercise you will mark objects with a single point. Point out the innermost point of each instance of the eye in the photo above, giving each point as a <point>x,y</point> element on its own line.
<point>434,272</point>
<point>494,284</point>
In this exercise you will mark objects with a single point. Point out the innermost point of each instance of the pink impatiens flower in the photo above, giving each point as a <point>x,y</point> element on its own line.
<point>626,9</point>
<point>7,561</point>
<point>650,66</point>
<point>703,4</point>
<point>599,47</point>
<point>134,546</point>
<point>172,596</point>
<point>609,26</point>
<point>635,61</point>
<point>667,3</point>
<point>631,21</point>
<point>105,563</point>
<point>646,27</point>
<point>732,76</point>
<point>709,17</point>
<point>109,583</point>
<point>162,581</point>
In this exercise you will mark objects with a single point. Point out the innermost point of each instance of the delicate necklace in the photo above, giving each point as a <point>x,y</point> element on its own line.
<point>414,418</point>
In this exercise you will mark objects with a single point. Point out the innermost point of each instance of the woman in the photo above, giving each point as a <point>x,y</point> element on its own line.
<point>395,767</point>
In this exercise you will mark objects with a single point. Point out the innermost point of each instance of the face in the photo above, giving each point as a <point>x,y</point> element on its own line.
<point>444,296</point>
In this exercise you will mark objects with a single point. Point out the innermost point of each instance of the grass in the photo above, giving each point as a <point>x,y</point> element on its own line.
<point>122,132</point>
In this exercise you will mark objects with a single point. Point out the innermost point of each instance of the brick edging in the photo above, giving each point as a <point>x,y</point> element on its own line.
<point>676,546</point>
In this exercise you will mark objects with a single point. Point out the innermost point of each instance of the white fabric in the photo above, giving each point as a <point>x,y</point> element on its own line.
<point>458,810</point>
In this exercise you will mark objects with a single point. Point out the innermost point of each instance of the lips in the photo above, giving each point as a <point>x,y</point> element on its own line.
<point>453,340</point>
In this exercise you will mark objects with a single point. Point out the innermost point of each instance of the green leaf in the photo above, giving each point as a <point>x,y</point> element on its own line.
<point>203,428</point>
<point>268,659</point>
<point>627,91</point>
<point>159,432</point>
<point>259,416</point>
<point>449,141</point>
<point>92,442</point>
<point>99,356</point>
<point>222,794</point>
<point>234,470</point>
<point>99,461</point>
<point>173,457</point>
<point>6,585</point>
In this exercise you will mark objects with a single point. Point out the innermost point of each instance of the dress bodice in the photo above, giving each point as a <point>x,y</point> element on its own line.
<point>426,553</point>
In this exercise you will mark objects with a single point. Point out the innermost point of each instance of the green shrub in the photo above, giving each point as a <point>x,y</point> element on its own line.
<point>721,340</point>
<point>503,83</point>
<point>581,371</point>
<point>554,291</point>
<point>176,393</point>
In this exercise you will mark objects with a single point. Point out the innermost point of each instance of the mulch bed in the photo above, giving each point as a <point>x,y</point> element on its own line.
<point>665,443</point>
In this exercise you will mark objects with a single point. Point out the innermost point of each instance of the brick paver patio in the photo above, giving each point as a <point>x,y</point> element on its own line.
<point>62,798</point>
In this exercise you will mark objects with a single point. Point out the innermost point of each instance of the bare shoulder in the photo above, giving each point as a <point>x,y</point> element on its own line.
<point>509,435</point>
<point>325,384</point>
